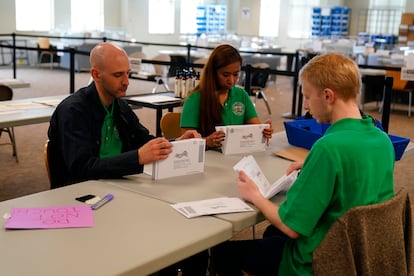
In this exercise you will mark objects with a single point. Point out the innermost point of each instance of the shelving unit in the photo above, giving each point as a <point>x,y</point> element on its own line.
<point>330,21</point>
<point>211,19</point>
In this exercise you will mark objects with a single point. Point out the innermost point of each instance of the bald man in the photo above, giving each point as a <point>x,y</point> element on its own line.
<point>94,134</point>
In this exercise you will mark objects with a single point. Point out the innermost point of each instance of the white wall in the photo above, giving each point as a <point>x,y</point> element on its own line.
<point>8,16</point>
<point>249,24</point>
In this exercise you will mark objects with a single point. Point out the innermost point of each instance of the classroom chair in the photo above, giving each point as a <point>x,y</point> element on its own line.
<point>400,85</point>
<point>258,82</point>
<point>170,125</point>
<point>53,164</point>
<point>46,159</point>
<point>46,50</point>
<point>373,240</point>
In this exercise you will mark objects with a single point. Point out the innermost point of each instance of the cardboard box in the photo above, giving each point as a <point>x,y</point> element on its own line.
<point>402,39</point>
<point>407,18</point>
<point>410,36</point>
<point>403,30</point>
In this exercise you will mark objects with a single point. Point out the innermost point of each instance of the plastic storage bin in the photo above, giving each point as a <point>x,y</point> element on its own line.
<point>399,143</point>
<point>304,133</point>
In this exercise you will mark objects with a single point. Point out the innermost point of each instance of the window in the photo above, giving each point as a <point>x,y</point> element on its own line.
<point>384,16</point>
<point>161,16</point>
<point>87,15</point>
<point>301,12</point>
<point>269,17</point>
<point>34,15</point>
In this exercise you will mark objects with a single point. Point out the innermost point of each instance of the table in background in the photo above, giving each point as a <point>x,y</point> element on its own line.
<point>14,83</point>
<point>158,106</point>
<point>28,111</point>
<point>132,235</point>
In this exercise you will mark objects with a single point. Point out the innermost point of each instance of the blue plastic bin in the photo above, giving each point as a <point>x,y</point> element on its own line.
<point>399,143</point>
<point>304,133</point>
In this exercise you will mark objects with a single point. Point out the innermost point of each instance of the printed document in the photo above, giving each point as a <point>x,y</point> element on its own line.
<point>221,205</point>
<point>243,138</point>
<point>249,165</point>
<point>186,158</point>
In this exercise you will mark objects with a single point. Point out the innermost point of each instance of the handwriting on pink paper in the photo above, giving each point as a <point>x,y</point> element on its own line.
<point>50,217</point>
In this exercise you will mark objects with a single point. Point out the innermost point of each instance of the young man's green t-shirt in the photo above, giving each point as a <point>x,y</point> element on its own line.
<point>334,179</point>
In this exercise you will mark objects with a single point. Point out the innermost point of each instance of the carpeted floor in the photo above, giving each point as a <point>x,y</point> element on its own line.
<point>29,175</point>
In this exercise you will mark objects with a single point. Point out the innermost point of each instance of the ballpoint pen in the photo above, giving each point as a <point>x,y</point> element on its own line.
<point>102,202</point>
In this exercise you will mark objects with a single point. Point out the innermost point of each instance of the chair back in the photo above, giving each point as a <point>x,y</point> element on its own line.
<point>54,165</point>
<point>170,125</point>
<point>46,159</point>
<point>375,239</point>
<point>44,43</point>
<point>6,93</point>
<point>398,83</point>
<point>260,78</point>
<point>160,69</point>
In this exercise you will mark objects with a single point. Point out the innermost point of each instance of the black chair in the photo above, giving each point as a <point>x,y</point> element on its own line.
<point>6,94</point>
<point>258,81</point>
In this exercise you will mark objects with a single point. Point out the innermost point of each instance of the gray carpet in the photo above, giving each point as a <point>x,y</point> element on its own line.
<point>29,175</point>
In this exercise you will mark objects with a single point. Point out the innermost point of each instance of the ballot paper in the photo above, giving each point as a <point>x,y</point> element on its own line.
<point>221,205</point>
<point>243,138</point>
<point>249,165</point>
<point>186,158</point>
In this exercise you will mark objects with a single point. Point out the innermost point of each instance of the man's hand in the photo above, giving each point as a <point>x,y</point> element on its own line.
<point>154,150</point>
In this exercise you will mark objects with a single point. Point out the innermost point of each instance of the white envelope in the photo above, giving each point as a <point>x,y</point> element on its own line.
<point>186,158</point>
<point>243,138</point>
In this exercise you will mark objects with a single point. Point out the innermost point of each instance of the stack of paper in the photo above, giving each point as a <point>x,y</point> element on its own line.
<point>221,205</point>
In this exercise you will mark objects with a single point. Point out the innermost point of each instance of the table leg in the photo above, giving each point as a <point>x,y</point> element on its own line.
<point>157,123</point>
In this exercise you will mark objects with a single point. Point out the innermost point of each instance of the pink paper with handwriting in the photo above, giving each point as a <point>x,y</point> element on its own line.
<point>50,217</point>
